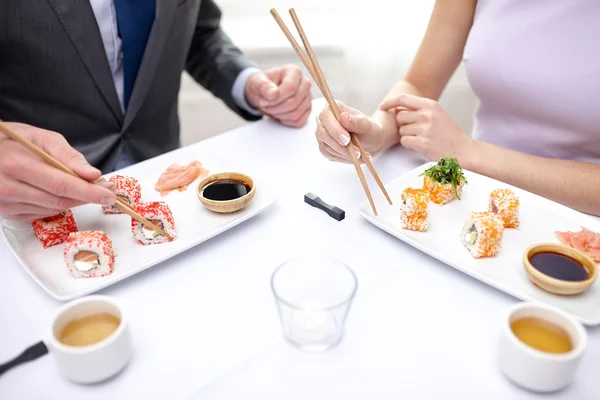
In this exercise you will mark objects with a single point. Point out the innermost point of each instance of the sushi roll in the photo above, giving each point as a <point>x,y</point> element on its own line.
<point>55,229</point>
<point>504,203</point>
<point>482,234</point>
<point>413,212</point>
<point>89,254</point>
<point>444,181</point>
<point>159,214</point>
<point>128,189</point>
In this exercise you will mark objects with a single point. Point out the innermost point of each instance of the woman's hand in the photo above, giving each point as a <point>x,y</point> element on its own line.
<point>334,136</point>
<point>426,127</point>
<point>32,189</point>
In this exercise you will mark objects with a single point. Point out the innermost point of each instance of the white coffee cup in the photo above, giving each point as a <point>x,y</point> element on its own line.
<point>534,369</point>
<point>97,362</point>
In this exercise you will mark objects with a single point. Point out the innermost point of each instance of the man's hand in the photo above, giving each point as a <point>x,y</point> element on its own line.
<point>31,189</point>
<point>281,93</point>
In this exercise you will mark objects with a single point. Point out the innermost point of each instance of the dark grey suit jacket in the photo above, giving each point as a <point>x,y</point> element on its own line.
<point>54,74</point>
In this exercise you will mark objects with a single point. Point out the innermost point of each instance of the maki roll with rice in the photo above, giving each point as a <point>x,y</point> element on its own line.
<point>128,190</point>
<point>504,203</point>
<point>160,215</point>
<point>55,229</point>
<point>482,234</point>
<point>89,254</point>
<point>413,212</point>
<point>444,181</point>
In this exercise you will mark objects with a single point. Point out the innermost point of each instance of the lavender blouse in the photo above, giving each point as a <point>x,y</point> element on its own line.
<point>535,67</point>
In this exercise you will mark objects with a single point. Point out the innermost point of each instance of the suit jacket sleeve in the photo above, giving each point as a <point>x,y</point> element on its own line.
<point>213,60</point>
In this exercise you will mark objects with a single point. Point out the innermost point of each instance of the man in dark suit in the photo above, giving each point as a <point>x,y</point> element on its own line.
<point>95,83</point>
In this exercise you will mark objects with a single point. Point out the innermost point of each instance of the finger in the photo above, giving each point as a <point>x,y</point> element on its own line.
<point>35,172</point>
<point>405,100</point>
<point>413,142</point>
<point>20,193</point>
<point>24,208</point>
<point>25,217</point>
<point>333,127</point>
<point>106,184</point>
<point>57,146</point>
<point>266,89</point>
<point>336,148</point>
<point>290,83</point>
<point>331,155</point>
<point>358,123</point>
<point>295,113</point>
<point>300,121</point>
<point>408,117</point>
<point>410,130</point>
<point>292,103</point>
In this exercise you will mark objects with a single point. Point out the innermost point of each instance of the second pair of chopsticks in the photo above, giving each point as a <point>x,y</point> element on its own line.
<point>120,204</point>
<point>314,69</point>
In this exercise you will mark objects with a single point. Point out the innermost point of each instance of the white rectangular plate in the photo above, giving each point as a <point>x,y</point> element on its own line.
<point>194,225</point>
<point>539,219</point>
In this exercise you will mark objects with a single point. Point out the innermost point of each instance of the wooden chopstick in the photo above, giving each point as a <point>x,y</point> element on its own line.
<point>314,69</point>
<point>325,86</point>
<point>120,204</point>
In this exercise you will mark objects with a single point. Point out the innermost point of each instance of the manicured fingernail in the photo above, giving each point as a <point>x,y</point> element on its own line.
<point>344,139</point>
<point>357,154</point>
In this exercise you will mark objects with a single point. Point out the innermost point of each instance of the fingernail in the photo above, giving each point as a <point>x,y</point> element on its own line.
<point>108,201</point>
<point>89,168</point>
<point>357,154</point>
<point>344,139</point>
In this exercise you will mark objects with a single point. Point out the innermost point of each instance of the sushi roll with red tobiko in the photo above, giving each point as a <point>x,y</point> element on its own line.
<point>89,254</point>
<point>55,229</point>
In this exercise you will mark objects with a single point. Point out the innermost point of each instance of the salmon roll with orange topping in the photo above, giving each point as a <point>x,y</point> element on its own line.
<point>55,229</point>
<point>413,211</point>
<point>505,204</point>
<point>89,254</point>
<point>482,234</point>
<point>160,215</point>
<point>128,189</point>
<point>444,181</point>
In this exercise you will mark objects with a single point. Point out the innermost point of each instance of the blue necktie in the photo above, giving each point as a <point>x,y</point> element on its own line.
<point>134,19</point>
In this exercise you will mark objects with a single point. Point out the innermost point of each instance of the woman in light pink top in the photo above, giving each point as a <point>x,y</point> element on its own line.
<point>535,66</point>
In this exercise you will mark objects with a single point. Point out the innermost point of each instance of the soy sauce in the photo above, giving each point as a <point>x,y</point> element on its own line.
<point>226,189</point>
<point>559,266</point>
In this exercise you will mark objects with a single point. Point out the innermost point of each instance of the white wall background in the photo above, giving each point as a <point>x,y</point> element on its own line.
<point>363,48</point>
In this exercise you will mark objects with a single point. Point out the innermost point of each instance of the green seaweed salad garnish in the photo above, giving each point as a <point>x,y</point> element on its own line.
<point>447,170</point>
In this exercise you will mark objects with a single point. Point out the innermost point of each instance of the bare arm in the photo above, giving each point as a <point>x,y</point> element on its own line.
<point>438,57</point>
<point>572,183</point>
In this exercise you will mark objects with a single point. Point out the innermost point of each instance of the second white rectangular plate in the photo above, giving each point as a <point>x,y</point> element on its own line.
<point>540,218</point>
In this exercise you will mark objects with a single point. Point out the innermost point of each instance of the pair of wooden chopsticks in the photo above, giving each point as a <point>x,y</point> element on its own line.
<point>120,204</point>
<point>314,69</point>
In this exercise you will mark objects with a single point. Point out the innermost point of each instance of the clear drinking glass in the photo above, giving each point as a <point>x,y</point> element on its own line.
<point>313,296</point>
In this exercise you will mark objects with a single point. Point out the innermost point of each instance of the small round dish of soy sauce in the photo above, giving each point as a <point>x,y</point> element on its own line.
<point>559,269</point>
<point>226,192</point>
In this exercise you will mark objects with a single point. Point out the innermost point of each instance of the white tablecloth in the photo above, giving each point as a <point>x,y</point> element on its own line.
<point>205,325</point>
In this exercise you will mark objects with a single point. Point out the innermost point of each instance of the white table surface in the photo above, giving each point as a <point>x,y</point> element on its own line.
<point>205,325</point>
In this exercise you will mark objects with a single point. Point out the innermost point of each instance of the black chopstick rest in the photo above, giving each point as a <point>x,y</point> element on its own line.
<point>32,353</point>
<point>333,211</point>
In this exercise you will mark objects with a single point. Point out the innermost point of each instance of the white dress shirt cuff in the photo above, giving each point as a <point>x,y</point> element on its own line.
<point>239,88</point>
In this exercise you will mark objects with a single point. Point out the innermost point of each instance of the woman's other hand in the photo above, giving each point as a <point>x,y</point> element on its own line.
<point>424,126</point>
